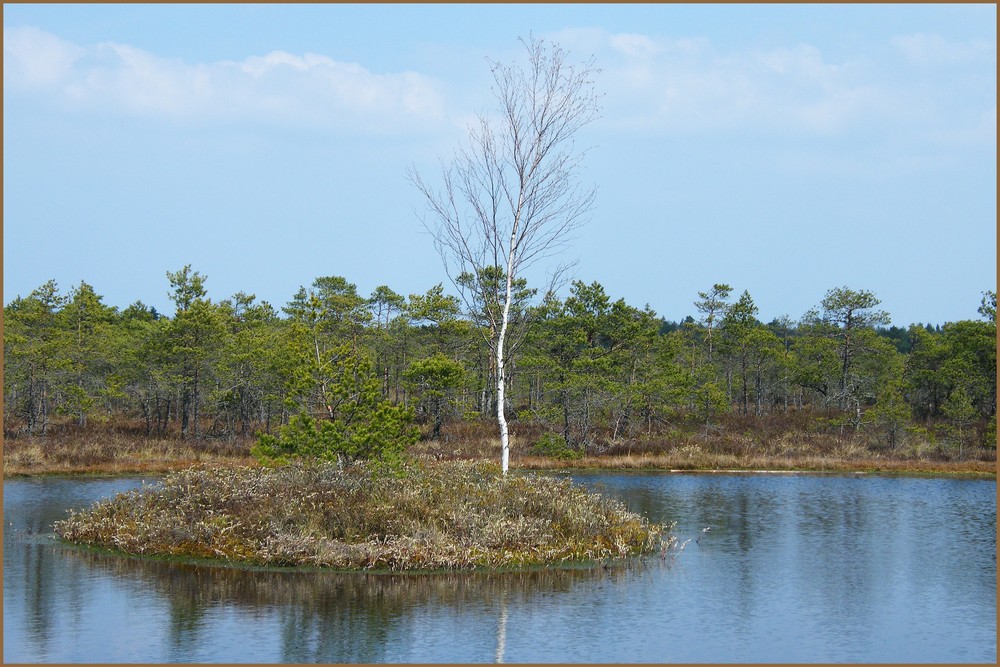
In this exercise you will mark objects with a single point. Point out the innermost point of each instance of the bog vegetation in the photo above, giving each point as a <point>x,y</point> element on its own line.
<point>591,376</point>
<point>361,516</point>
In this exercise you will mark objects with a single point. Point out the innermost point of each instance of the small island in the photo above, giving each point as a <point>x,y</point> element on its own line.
<point>368,516</point>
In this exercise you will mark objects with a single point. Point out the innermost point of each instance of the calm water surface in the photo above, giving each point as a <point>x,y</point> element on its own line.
<point>792,569</point>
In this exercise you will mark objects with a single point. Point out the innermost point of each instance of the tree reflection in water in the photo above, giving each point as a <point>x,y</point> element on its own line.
<point>502,627</point>
<point>332,616</point>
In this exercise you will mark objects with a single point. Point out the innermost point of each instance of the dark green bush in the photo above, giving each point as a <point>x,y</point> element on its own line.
<point>383,437</point>
<point>554,447</point>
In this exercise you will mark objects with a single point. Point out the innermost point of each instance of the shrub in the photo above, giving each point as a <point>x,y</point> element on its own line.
<point>554,447</point>
<point>382,436</point>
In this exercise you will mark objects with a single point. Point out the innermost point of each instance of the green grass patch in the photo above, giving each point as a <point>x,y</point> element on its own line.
<point>417,517</point>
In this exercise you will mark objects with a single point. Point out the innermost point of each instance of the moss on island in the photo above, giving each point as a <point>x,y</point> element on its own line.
<point>365,516</point>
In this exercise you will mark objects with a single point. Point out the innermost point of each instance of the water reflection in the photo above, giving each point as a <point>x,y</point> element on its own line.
<point>38,592</point>
<point>502,629</point>
<point>794,569</point>
<point>854,567</point>
<point>322,616</point>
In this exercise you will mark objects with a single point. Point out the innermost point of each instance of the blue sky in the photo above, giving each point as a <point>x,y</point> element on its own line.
<point>785,150</point>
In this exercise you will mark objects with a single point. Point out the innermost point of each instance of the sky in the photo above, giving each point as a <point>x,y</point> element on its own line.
<point>785,150</point>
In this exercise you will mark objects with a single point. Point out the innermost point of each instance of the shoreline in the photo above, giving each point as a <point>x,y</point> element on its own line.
<point>527,464</point>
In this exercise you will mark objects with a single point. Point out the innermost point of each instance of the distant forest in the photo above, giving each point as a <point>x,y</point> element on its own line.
<point>587,370</point>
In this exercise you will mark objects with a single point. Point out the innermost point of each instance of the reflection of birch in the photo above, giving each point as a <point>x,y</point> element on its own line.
<point>502,626</point>
<point>332,617</point>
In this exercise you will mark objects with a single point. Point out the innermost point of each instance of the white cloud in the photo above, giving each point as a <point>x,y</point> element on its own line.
<point>277,87</point>
<point>680,86</point>
<point>804,62</point>
<point>636,46</point>
<point>687,85</point>
<point>931,49</point>
<point>653,83</point>
<point>36,59</point>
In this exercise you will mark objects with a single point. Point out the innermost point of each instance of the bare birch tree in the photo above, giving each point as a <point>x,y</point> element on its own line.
<point>510,197</point>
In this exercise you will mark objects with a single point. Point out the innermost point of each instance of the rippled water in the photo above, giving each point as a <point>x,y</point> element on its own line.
<point>792,569</point>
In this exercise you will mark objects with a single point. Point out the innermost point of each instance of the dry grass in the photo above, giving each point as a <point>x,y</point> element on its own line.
<point>786,445</point>
<point>798,440</point>
<point>109,452</point>
<point>429,517</point>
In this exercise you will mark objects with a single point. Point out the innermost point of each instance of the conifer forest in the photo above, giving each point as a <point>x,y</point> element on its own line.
<point>588,374</point>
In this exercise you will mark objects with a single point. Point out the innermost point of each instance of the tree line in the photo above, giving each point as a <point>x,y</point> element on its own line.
<point>590,370</point>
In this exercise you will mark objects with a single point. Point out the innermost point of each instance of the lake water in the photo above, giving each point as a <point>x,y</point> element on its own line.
<point>793,568</point>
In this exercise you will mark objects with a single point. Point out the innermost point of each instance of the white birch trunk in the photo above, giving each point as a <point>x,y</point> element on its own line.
<point>501,369</point>
<point>501,417</point>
